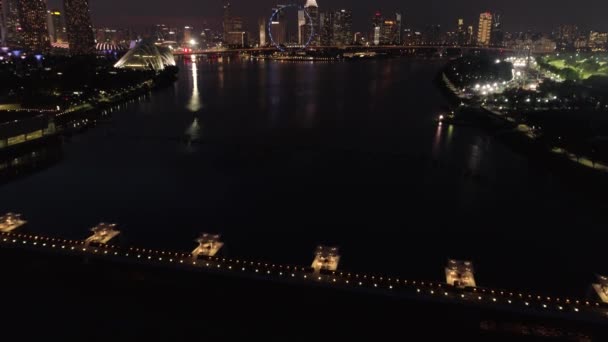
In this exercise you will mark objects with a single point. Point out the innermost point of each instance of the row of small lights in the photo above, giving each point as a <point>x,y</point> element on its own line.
<point>176,257</point>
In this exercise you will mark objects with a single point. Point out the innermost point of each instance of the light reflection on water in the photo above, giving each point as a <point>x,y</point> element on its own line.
<point>194,105</point>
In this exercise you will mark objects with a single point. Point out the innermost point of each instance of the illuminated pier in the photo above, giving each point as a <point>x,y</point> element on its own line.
<point>102,234</point>
<point>601,288</point>
<point>208,245</point>
<point>10,222</point>
<point>460,274</point>
<point>326,258</point>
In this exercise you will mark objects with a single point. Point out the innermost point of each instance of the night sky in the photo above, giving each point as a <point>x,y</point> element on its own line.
<point>543,15</point>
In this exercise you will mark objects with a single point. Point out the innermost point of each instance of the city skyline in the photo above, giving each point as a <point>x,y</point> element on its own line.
<point>519,15</point>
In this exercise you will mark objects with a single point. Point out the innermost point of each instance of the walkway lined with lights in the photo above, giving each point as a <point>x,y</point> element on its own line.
<point>433,291</point>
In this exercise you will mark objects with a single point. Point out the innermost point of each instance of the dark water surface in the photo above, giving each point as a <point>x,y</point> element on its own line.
<point>291,155</point>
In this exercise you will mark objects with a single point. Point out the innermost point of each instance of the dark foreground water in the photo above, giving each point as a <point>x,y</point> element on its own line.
<point>291,155</point>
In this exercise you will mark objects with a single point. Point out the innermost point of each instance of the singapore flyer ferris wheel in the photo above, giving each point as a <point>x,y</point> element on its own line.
<point>277,26</point>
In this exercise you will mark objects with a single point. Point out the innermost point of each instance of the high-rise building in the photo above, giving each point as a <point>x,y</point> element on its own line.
<point>312,27</point>
<point>2,27</point>
<point>484,32</point>
<point>342,31</point>
<point>79,27</point>
<point>433,35</point>
<point>262,26</point>
<point>11,24</point>
<point>497,36</point>
<point>234,35</point>
<point>301,27</point>
<point>56,25</point>
<point>34,32</point>
<point>278,26</point>
<point>461,33</point>
<point>227,20</point>
<point>398,34</point>
<point>565,36</point>
<point>598,41</point>
<point>188,38</point>
<point>376,33</point>
<point>386,31</point>
<point>470,35</point>
<point>326,28</point>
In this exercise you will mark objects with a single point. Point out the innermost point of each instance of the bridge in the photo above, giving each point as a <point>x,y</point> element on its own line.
<point>346,48</point>
<point>326,275</point>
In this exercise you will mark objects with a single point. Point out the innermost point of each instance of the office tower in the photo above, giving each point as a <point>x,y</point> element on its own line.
<point>56,26</point>
<point>11,25</point>
<point>312,27</point>
<point>342,28</point>
<point>462,33</point>
<point>326,28</point>
<point>188,38</point>
<point>262,26</point>
<point>34,32</point>
<point>376,33</point>
<point>399,28</point>
<point>301,27</point>
<point>234,35</point>
<point>497,35</point>
<point>278,26</point>
<point>470,35</point>
<point>484,32</point>
<point>566,36</point>
<point>79,27</point>
<point>227,20</point>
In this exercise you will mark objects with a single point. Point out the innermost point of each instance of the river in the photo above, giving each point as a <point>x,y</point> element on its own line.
<point>288,155</point>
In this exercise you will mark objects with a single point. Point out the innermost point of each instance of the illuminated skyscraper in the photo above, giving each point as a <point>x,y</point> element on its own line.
<point>34,32</point>
<point>2,27</point>
<point>470,35</point>
<point>262,27</point>
<point>461,32</point>
<point>227,22</point>
<point>342,28</point>
<point>57,30</point>
<point>233,28</point>
<point>497,36</point>
<point>278,26</point>
<point>301,27</point>
<point>79,27</point>
<point>312,27</point>
<point>399,28</point>
<point>10,23</point>
<point>188,37</point>
<point>376,33</point>
<point>484,32</point>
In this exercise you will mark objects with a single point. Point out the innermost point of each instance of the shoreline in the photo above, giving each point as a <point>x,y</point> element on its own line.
<point>507,132</point>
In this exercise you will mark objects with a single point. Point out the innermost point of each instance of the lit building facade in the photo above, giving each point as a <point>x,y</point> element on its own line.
<point>598,41</point>
<point>56,25</point>
<point>462,33</point>
<point>342,32</point>
<point>484,33</point>
<point>262,26</point>
<point>312,27</point>
<point>497,35</point>
<point>79,27</point>
<point>234,35</point>
<point>376,33</point>
<point>34,31</point>
<point>566,36</point>
<point>10,25</point>
<point>278,27</point>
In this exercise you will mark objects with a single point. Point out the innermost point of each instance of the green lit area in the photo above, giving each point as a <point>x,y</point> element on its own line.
<point>576,66</point>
